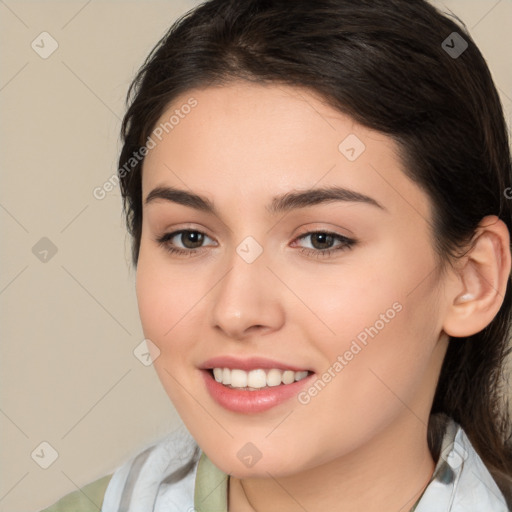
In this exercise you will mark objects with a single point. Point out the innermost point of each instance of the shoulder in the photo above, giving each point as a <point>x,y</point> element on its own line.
<point>87,499</point>
<point>161,477</point>
<point>477,489</point>
<point>461,481</point>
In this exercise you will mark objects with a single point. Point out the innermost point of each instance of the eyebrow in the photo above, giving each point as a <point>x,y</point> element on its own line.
<point>279,204</point>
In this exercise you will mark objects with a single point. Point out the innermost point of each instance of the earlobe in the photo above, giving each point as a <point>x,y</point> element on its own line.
<point>477,295</point>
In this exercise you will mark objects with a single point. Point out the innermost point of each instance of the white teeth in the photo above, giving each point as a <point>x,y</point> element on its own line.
<point>238,378</point>
<point>301,375</point>
<point>256,379</point>
<point>288,377</point>
<point>274,377</point>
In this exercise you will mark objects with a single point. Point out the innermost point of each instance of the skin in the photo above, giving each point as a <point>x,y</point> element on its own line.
<point>359,444</point>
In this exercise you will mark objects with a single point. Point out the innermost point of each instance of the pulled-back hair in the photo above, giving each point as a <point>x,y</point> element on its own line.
<point>386,64</point>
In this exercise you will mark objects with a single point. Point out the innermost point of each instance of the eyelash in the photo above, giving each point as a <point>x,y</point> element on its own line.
<point>346,243</point>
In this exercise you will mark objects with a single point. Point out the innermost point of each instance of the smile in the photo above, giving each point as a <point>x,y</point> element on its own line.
<point>241,398</point>
<point>253,380</point>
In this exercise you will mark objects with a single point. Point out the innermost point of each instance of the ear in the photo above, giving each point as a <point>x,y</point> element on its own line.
<point>477,294</point>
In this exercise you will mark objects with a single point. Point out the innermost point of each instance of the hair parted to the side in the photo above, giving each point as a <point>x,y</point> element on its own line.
<point>381,62</point>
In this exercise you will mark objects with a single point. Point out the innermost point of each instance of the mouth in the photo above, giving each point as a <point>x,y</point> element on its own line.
<point>257,379</point>
<point>254,391</point>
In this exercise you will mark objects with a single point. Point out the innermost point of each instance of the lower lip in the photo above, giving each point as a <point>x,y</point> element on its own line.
<point>244,401</point>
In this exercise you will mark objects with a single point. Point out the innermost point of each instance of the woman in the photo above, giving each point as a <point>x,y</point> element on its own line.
<point>317,196</point>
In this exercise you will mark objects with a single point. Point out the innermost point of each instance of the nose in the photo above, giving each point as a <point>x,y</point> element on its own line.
<point>247,300</point>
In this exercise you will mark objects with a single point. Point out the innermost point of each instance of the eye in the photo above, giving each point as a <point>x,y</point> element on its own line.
<point>191,240</point>
<point>322,243</point>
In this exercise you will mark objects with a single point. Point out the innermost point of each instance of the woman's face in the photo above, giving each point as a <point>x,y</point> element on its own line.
<point>340,281</point>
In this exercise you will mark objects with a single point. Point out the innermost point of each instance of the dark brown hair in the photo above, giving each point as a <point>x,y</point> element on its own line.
<point>384,63</point>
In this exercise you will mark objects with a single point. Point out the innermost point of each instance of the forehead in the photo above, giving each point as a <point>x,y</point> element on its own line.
<point>254,141</point>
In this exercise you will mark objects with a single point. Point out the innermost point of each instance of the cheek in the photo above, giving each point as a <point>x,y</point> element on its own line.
<point>387,294</point>
<point>167,298</point>
<point>152,301</point>
<point>165,305</point>
<point>376,329</point>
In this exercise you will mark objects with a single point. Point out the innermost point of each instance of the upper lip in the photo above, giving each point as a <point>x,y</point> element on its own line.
<point>247,364</point>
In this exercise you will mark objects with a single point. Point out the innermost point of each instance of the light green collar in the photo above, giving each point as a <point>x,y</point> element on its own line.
<point>211,487</point>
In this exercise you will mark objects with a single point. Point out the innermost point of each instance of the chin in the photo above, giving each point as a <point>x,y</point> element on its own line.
<point>261,469</point>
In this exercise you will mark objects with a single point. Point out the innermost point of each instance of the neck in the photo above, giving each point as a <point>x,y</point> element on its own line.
<point>388,473</point>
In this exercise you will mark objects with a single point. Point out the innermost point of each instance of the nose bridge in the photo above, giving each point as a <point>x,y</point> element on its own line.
<point>246,295</point>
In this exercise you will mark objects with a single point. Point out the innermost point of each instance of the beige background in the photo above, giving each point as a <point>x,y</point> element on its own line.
<point>70,325</point>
